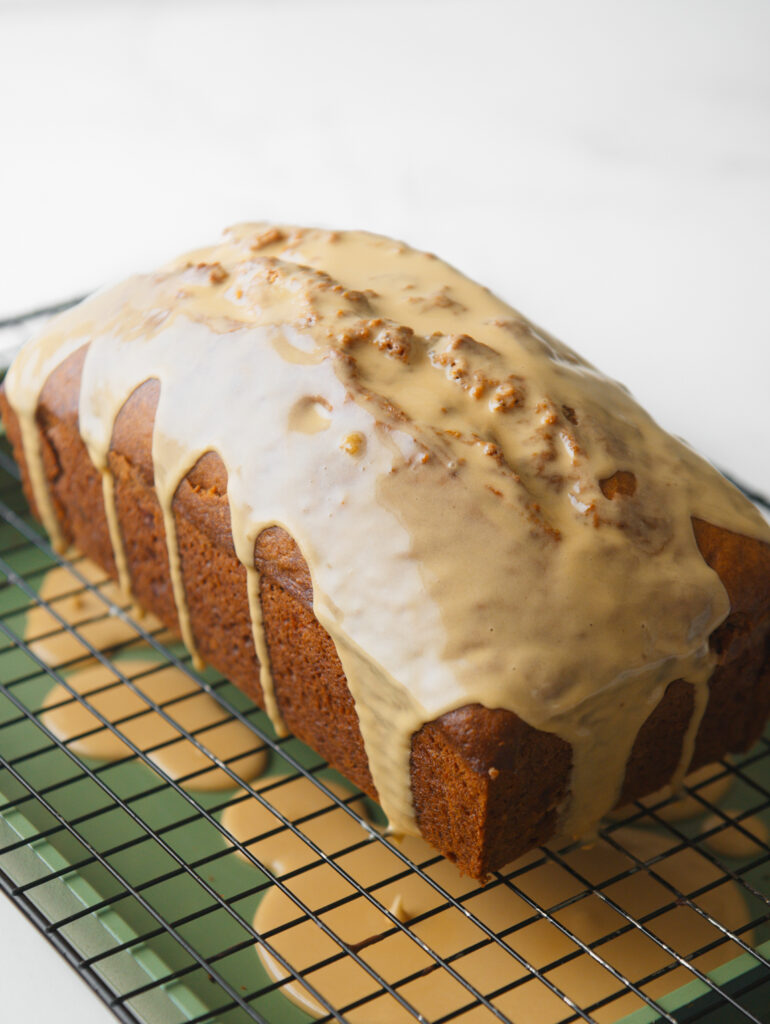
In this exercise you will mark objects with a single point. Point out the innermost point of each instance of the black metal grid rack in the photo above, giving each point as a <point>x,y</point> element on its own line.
<point>132,875</point>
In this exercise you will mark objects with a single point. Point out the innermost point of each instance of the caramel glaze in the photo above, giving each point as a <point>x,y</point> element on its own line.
<point>220,737</point>
<point>75,722</point>
<point>333,831</point>
<point>530,525</point>
<point>487,966</point>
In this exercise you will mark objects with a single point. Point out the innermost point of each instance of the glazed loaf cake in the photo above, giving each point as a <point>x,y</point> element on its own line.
<point>431,541</point>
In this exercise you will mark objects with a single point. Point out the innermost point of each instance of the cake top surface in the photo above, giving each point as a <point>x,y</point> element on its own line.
<point>486,517</point>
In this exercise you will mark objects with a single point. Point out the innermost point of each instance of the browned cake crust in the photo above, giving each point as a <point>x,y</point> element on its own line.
<point>486,786</point>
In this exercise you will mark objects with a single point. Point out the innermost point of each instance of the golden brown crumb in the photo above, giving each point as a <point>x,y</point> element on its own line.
<point>266,238</point>
<point>216,272</point>
<point>548,413</point>
<point>360,331</point>
<point>622,483</point>
<point>505,397</point>
<point>394,340</point>
<point>353,443</point>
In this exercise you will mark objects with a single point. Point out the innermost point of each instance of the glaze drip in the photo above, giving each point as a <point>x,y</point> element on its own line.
<point>444,466</point>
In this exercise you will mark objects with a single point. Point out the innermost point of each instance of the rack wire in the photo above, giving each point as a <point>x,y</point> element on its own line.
<point>134,876</point>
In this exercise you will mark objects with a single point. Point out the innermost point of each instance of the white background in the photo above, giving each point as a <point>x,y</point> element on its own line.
<point>603,164</point>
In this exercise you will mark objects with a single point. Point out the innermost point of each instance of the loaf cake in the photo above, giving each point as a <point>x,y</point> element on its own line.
<point>425,536</point>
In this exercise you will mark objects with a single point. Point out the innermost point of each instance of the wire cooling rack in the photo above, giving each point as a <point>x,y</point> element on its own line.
<point>134,877</point>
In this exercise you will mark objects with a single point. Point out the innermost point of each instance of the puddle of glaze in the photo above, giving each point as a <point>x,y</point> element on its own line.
<point>498,906</point>
<point>294,797</point>
<point>73,722</point>
<point>84,611</point>
<point>731,840</point>
<point>687,806</point>
<point>194,710</point>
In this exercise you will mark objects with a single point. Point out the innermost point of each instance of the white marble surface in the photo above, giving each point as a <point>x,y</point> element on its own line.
<point>603,164</point>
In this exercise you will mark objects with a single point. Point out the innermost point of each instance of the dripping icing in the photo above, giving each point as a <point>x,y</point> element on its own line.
<point>473,502</point>
<point>116,537</point>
